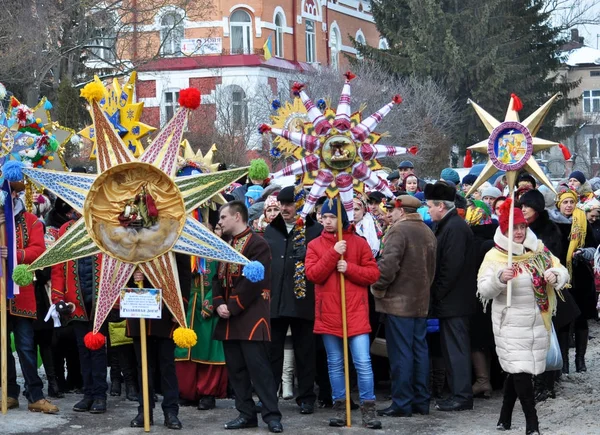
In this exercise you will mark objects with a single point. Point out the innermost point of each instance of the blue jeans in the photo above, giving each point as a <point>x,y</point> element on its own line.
<point>409,362</point>
<point>92,362</point>
<point>22,329</point>
<point>360,349</point>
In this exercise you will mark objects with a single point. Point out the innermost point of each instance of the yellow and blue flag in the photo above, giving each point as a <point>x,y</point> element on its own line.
<point>268,48</point>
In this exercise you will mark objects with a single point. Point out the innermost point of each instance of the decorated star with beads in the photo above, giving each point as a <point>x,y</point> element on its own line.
<point>336,150</point>
<point>136,212</point>
<point>117,103</point>
<point>512,143</point>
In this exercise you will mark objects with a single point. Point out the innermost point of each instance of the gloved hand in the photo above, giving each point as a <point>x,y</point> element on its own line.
<point>52,312</point>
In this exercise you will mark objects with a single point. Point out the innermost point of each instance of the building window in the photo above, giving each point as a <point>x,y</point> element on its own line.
<point>593,147</point>
<point>335,44</point>
<point>311,52</point>
<point>240,32</point>
<point>591,101</point>
<point>360,41</point>
<point>279,35</point>
<point>170,102</point>
<point>239,109</point>
<point>171,33</point>
<point>383,44</point>
<point>103,44</point>
<point>595,73</point>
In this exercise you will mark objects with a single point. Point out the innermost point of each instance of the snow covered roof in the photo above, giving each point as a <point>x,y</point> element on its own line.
<point>582,56</point>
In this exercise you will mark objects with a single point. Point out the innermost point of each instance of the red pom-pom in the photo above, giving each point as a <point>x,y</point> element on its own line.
<point>94,341</point>
<point>297,87</point>
<point>189,98</point>
<point>397,99</point>
<point>264,128</point>
<point>565,151</point>
<point>300,222</point>
<point>14,102</point>
<point>468,162</point>
<point>413,150</point>
<point>517,103</point>
<point>349,75</point>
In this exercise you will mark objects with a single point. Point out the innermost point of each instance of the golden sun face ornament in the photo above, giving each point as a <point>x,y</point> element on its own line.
<point>511,143</point>
<point>136,212</point>
<point>338,151</point>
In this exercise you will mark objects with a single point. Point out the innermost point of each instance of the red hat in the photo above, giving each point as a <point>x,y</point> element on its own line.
<point>505,211</point>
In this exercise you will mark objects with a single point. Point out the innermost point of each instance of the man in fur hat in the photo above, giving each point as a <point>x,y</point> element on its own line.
<point>452,292</point>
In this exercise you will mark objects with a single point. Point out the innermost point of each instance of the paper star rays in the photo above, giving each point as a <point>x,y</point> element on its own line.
<point>107,198</point>
<point>512,143</point>
<point>338,151</point>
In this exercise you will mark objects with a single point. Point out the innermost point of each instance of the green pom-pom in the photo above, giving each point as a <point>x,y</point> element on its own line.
<point>53,145</point>
<point>258,170</point>
<point>22,276</point>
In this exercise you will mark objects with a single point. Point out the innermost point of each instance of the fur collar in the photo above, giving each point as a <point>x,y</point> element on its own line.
<point>530,242</point>
<point>558,217</point>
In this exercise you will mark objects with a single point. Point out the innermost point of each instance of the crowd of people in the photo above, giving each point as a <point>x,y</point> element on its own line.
<point>427,271</point>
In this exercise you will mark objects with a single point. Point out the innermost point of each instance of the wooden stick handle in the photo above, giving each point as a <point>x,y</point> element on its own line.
<point>144,352</point>
<point>344,319</point>
<point>3,323</point>
<point>511,222</point>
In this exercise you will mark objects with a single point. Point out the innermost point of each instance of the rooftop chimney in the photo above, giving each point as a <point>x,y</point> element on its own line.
<point>574,35</point>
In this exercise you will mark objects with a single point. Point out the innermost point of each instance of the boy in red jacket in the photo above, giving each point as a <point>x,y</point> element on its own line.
<point>323,267</point>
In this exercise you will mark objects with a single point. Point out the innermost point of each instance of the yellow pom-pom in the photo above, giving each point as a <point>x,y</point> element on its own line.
<point>185,337</point>
<point>93,91</point>
<point>38,120</point>
<point>51,158</point>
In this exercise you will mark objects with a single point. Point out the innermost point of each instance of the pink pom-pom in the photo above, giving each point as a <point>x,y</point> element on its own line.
<point>189,98</point>
<point>397,99</point>
<point>94,341</point>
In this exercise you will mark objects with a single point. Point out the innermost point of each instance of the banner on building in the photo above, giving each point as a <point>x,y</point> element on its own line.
<point>201,46</point>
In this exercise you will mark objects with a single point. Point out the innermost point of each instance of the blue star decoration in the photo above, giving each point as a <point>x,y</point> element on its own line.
<point>115,120</point>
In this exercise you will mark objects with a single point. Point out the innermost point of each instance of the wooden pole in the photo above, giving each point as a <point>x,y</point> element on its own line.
<point>144,352</point>
<point>344,319</point>
<point>3,319</point>
<point>511,221</point>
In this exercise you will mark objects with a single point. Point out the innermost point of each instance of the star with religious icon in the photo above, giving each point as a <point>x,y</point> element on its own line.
<point>337,150</point>
<point>512,143</point>
<point>136,211</point>
<point>124,114</point>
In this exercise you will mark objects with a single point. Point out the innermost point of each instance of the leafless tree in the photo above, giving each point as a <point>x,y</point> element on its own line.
<point>42,41</point>
<point>567,14</point>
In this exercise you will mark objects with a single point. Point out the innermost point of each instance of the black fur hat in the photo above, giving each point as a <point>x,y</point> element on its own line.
<point>440,191</point>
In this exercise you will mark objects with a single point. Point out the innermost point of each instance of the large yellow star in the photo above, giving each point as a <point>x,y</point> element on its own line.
<point>512,143</point>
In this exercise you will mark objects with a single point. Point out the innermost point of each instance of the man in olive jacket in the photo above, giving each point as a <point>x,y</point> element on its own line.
<point>407,267</point>
<point>292,303</point>
<point>452,292</point>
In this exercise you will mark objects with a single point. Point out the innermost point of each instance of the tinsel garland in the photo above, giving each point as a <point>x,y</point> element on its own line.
<point>299,243</point>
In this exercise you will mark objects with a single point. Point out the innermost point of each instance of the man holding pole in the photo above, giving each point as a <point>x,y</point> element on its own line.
<point>243,307</point>
<point>452,292</point>
<point>351,275</point>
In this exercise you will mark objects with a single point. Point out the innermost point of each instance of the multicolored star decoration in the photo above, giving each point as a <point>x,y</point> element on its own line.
<point>124,115</point>
<point>32,136</point>
<point>136,213</point>
<point>338,146</point>
<point>512,143</point>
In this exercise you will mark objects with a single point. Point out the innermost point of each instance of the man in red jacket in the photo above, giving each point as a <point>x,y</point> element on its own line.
<point>324,267</point>
<point>29,234</point>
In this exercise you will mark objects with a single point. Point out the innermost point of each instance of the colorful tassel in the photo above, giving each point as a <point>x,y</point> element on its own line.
<point>517,103</point>
<point>565,151</point>
<point>468,162</point>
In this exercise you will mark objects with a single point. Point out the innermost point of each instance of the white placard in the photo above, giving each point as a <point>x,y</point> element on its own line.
<point>141,303</point>
<point>201,46</point>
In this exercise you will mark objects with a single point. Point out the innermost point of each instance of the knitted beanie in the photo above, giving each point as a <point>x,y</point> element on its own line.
<point>449,174</point>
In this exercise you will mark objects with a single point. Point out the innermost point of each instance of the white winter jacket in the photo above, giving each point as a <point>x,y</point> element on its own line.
<point>522,339</point>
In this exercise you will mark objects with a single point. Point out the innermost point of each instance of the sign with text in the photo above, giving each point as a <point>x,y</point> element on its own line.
<point>141,303</point>
<point>200,46</point>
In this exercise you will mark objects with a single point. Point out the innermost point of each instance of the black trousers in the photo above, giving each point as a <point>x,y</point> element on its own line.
<point>456,350</point>
<point>248,365</point>
<point>161,356</point>
<point>92,363</point>
<point>304,353</point>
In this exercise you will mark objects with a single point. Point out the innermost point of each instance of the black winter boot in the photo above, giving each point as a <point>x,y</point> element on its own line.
<point>339,406</point>
<point>369,419</point>
<point>563,342</point>
<point>540,389</point>
<point>508,404</point>
<point>581,341</point>
<point>524,389</point>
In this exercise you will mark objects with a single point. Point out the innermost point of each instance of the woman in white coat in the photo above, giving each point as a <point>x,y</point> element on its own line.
<point>521,331</point>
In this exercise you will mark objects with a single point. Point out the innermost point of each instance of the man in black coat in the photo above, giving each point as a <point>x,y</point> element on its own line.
<point>292,296</point>
<point>452,292</point>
